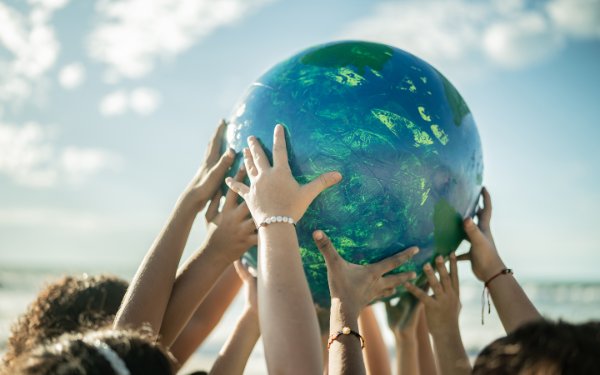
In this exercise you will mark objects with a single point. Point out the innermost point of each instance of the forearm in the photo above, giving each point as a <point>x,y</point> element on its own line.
<point>451,354</point>
<point>193,283</point>
<point>375,355</point>
<point>153,281</point>
<point>513,306</point>
<point>206,316</point>
<point>236,351</point>
<point>407,354</point>
<point>427,363</point>
<point>285,304</point>
<point>345,353</point>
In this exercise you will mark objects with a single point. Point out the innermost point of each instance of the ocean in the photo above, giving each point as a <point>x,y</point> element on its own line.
<point>574,301</point>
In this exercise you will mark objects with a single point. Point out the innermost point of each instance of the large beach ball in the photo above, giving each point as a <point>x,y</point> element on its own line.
<point>396,129</point>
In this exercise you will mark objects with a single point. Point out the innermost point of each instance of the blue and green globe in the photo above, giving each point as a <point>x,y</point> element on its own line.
<point>396,129</point>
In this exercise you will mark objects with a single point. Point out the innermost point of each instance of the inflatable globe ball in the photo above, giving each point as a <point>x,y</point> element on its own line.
<point>396,129</point>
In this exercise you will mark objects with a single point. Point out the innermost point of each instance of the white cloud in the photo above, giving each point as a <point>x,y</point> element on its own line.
<point>463,35</point>
<point>29,158</point>
<point>132,35</point>
<point>521,41</point>
<point>71,76</point>
<point>579,18</point>
<point>142,100</point>
<point>114,103</point>
<point>32,48</point>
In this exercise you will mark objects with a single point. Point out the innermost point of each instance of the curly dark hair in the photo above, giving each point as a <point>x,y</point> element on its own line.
<point>76,354</point>
<point>70,304</point>
<point>544,347</point>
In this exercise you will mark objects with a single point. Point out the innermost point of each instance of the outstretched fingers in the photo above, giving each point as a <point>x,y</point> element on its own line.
<point>485,214</point>
<point>474,234</point>
<point>432,280</point>
<point>324,181</point>
<point>325,247</point>
<point>454,273</point>
<point>214,146</point>
<point>249,163</point>
<point>238,187</point>
<point>395,261</point>
<point>443,272</point>
<point>231,197</point>
<point>419,293</point>
<point>258,154</point>
<point>213,208</point>
<point>280,157</point>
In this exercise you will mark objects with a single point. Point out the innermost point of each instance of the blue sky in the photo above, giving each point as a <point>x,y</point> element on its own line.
<point>106,108</point>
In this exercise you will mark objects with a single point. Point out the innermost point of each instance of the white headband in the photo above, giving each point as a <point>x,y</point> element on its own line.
<point>117,364</point>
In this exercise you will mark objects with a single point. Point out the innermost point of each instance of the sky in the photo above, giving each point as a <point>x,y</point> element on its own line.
<point>106,108</point>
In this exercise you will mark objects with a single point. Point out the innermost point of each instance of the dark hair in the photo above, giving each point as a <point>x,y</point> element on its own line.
<point>76,354</point>
<point>555,347</point>
<point>70,304</point>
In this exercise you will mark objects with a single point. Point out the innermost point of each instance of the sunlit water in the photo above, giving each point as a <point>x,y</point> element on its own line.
<point>571,301</point>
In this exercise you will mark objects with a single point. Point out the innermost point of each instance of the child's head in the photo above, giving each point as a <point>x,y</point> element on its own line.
<point>70,304</point>
<point>102,352</point>
<point>543,347</point>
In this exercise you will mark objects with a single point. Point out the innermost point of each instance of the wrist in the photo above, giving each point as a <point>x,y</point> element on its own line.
<point>343,314</point>
<point>447,333</point>
<point>492,269</point>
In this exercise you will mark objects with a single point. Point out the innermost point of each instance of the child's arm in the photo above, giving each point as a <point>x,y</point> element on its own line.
<point>513,305</point>
<point>286,312</point>
<point>427,362</point>
<point>407,350</point>
<point>375,355</point>
<point>353,287</point>
<point>207,315</point>
<point>442,311</point>
<point>149,291</point>
<point>236,351</point>
<point>225,242</point>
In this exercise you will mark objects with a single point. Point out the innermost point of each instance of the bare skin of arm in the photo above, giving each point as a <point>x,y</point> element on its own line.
<point>375,355</point>
<point>442,312</point>
<point>236,351</point>
<point>407,350</point>
<point>427,361</point>
<point>207,316</point>
<point>226,241</point>
<point>153,282</point>
<point>353,287</point>
<point>285,302</point>
<point>513,306</point>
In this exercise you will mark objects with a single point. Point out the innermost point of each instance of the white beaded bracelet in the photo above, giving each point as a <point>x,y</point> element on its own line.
<point>277,219</point>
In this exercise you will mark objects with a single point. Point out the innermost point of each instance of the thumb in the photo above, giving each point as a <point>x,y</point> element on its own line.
<point>325,247</point>
<point>475,234</point>
<point>316,186</point>
<point>465,256</point>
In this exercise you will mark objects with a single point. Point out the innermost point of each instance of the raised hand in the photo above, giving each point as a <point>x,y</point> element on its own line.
<point>357,285</point>
<point>443,308</point>
<point>230,231</point>
<point>250,281</point>
<point>441,312</point>
<point>273,190</point>
<point>485,260</point>
<point>211,173</point>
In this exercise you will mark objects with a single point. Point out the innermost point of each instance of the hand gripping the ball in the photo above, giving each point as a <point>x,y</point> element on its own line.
<point>273,190</point>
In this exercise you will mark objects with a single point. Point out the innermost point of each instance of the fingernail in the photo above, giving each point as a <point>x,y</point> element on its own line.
<point>412,275</point>
<point>453,255</point>
<point>427,267</point>
<point>318,235</point>
<point>439,259</point>
<point>228,180</point>
<point>468,222</point>
<point>415,251</point>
